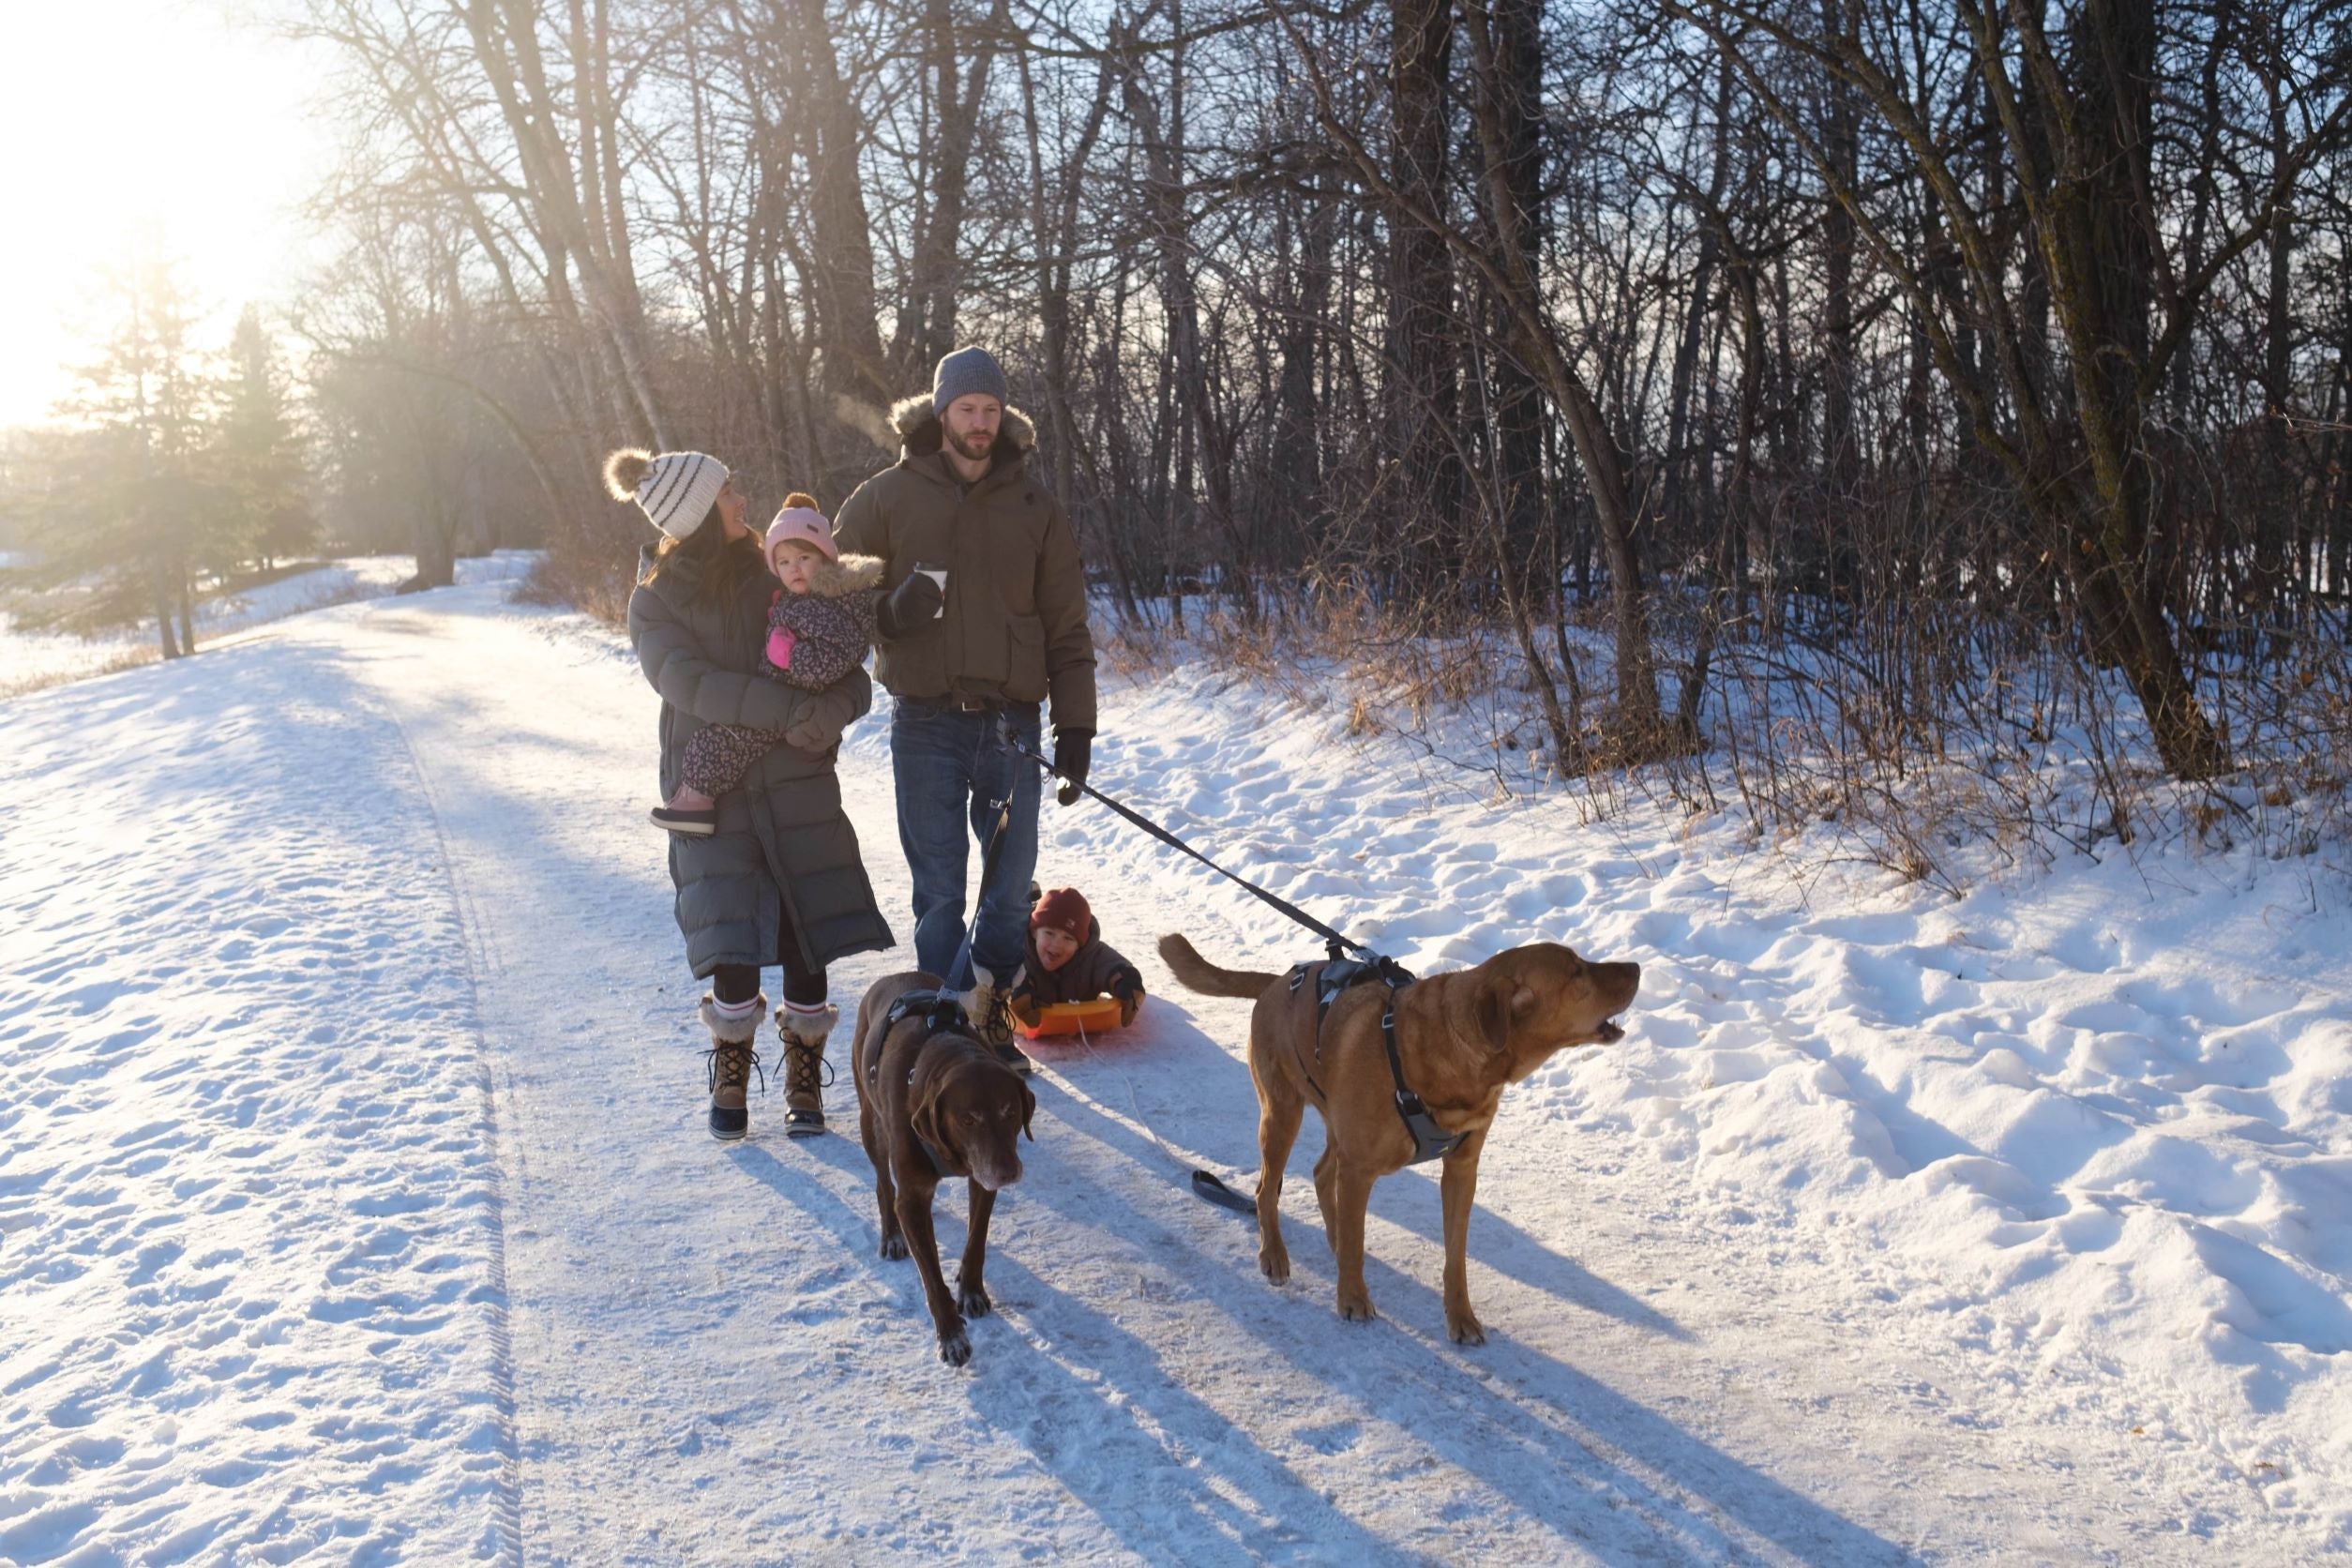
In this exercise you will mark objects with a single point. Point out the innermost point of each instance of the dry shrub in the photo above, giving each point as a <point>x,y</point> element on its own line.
<point>592,562</point>
<point>594,586</point>
<point>129,658</point>
<point>1939,742</point>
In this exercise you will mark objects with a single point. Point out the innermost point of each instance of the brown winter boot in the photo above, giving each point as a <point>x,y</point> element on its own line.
<point>989,1013</point>
<point>732,1062</point>
<point>806,1070</point>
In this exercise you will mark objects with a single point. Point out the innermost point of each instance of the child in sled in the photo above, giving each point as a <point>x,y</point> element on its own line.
<point>821,622</point>
<point>1069,961</point>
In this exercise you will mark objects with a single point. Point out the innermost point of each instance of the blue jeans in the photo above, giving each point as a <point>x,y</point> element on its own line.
<point>950,772</point>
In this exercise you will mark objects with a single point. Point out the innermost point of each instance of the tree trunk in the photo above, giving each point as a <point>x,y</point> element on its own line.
<point>926,317</point>
<point>1299,420</point>
<point>848,338</point>
<point>1508,270</point>
<point>436,550</point>
<point>1518,399</point>
<point>2096,238</point>
<point>160,591</point>
<point>1420,394</point>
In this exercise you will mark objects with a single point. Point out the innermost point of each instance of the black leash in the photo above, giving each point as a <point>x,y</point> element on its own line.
<point>1216,1192</point>
<point>1332,939</point>
<point>1430,1142</point>
<point>1206,1183</point>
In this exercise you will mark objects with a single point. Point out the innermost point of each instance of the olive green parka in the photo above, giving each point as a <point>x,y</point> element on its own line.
<point>1015,628</point>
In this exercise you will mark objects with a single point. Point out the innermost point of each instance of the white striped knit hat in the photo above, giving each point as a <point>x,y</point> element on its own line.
<point>676,489</point>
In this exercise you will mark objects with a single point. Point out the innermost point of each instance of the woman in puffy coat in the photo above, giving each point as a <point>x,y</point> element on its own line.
<point>781,880</point>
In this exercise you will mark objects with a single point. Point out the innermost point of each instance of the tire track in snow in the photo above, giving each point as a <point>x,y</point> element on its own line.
<point>476,935</point>
<point>242,1191</point>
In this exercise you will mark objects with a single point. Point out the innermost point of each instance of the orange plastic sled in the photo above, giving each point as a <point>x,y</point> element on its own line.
<point>1100,1017</point>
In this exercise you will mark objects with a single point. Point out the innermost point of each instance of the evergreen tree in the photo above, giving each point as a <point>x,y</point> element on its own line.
<point>257,455</point>
<point>123,506</point>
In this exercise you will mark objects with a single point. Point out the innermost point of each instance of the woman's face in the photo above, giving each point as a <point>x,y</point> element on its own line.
<point>731,507</point>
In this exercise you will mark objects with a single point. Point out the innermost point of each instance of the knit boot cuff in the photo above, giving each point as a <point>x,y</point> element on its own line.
<point>808,1028</point>
<point>736,1029</point>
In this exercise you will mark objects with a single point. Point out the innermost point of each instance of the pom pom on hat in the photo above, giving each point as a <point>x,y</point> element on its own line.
<point>676,489</point>
<point>624,471</point>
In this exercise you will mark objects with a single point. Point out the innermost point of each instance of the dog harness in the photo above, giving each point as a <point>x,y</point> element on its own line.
<point>1333,977</point>
<point>942,1014</point>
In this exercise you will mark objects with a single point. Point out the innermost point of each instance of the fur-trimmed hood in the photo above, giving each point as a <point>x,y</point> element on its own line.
<point>919,434</point>
<point>831,579</point>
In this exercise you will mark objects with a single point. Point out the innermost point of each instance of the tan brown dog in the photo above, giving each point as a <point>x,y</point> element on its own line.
<point>932,1105</point>
<point>1460,1038</point>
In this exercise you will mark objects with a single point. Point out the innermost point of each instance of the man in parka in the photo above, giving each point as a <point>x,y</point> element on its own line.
<point>1007,633</point>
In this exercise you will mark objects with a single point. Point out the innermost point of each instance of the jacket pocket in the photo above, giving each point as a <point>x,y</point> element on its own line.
<point>1025,679</point>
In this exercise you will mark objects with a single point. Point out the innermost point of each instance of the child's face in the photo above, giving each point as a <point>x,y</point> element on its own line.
<point>1054,947</point>
<point>794,561</point>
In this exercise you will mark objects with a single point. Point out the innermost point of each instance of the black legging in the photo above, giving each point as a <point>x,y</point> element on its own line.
<point>735,983</point>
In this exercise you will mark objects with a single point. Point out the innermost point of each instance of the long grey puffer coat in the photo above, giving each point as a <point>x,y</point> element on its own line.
<point>781,831</point>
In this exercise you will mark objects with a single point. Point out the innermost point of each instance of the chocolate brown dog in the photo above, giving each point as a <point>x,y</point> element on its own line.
<point>1460,1038</point>
<point>934,1104</point>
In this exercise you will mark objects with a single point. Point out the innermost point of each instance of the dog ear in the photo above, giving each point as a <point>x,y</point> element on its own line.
<point>922,1116</point>
<point>1029,1109</point>
<point>1502,1004</point>
<point>1494,1016</point>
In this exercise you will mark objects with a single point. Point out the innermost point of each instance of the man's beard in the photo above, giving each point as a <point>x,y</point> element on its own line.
<point>975,444</point>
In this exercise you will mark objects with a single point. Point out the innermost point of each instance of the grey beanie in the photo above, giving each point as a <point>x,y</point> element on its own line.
<point>964,373</point>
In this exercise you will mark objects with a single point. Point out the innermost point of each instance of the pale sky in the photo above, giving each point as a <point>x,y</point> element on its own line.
<point>122,111</point>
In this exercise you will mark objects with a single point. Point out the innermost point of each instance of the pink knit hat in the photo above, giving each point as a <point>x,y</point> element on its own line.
<point>800,519</point>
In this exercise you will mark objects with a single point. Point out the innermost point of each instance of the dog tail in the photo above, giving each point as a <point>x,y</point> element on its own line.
<point>1198,973</point>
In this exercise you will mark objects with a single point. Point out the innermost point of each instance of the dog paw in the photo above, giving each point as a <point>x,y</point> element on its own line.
<point>955,1349</point>
<point>1464,1330</point>
<point>894,1247</point>
<point>1357,1309</point>
<point>1275,1266</point>
<point>972,1300</point>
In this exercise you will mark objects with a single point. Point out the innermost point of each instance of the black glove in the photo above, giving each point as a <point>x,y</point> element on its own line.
<point>908,606</point>
<point>1072,752</point>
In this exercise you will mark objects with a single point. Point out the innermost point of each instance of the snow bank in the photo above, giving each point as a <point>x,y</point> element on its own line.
<point>30,660</point>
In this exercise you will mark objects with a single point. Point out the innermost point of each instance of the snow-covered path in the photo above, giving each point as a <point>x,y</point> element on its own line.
<point>712,1364</point>
<point>280,1278</point>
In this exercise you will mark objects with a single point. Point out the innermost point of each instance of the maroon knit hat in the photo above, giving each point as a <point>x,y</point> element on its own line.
<point>1063,910</point>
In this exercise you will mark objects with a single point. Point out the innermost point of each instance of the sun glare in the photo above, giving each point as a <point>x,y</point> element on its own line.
<point>178,117</point>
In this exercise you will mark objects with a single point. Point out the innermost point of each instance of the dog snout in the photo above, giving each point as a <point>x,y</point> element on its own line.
<point>999,1173</point>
